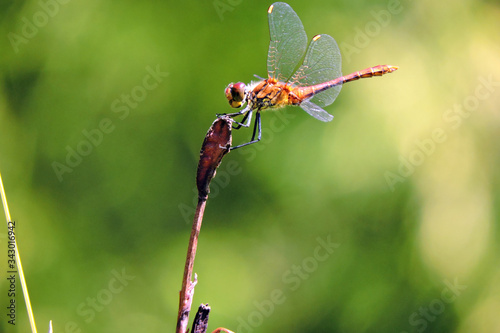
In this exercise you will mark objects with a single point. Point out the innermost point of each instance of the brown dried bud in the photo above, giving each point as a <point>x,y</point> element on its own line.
<point>216,144</point>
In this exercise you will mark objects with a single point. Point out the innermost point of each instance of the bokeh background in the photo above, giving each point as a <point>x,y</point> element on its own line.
<point>384,220</point>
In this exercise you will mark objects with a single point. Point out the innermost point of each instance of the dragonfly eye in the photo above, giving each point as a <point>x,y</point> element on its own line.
<point>235,94</point>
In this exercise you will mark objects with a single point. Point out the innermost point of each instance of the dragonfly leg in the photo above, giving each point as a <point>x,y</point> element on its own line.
<point>235,114</point>
<point>257,129</point>
<point>257,124</point>
<point>247,117</point>
<point>260,78</point>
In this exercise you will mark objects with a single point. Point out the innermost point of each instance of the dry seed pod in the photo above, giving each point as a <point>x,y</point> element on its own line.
<point>216,144</point>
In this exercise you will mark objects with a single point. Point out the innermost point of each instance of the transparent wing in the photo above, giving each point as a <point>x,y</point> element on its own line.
<point>288,41</point>
<point>315,111</point>
<point>322,63</point>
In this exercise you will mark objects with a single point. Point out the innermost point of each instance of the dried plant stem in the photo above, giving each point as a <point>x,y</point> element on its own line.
<point>187,291</point>
<point>200,321</point>
<point>216,144</point>
<point>222,329</point>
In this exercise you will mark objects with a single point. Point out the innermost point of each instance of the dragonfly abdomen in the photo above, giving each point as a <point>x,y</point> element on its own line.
<point>308,92</point>
<point>369,72</point>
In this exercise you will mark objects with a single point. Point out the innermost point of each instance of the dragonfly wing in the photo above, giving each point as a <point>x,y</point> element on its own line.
<point>315,111</point>
<point>322,63</point>
<point>288,41</point>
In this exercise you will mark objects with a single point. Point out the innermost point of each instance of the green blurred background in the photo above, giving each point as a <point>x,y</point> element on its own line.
<point>403,184</point>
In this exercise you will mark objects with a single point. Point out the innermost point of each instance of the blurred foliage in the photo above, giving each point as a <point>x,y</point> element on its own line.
<point>404,181</point>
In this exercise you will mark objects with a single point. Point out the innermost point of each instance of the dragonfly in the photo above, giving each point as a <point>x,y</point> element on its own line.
<point>314,85</point>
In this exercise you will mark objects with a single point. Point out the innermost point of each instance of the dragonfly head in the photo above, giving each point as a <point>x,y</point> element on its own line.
<point>236,94</point>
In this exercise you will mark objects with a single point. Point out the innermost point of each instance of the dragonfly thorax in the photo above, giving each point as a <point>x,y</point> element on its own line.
<point>272,94</point>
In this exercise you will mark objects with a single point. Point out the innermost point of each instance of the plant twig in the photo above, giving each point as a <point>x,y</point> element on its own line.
<point>222,329</point>
<point>200,322</point>
<point>217,143</point>
<point>187,291</point>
